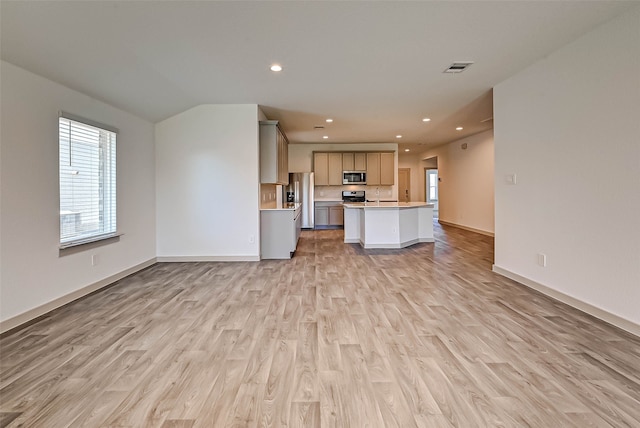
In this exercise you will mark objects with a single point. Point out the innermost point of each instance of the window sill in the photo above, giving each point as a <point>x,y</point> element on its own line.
<point>95,241</point>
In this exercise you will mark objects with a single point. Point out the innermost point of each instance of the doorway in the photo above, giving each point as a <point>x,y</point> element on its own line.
<point>431,187</point>
<point>404,184</point>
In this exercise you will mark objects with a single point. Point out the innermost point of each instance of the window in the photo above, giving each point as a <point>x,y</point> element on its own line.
<point>87,181</point>
<point>432,185</point>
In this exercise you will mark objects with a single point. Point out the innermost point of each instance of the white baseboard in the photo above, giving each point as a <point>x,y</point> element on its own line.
<point>34,313</point>
<point>470,229</point>
<point>181,259</point>
<point>613,319</point>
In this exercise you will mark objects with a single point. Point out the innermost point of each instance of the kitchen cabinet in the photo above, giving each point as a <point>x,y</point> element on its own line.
<point>327,168</point>
<point>359,161</point>
<point>274,153</point>
<point>279,232</point>
<point>373,169</point>
<point>321,168</point>
<point>336,216</point>
<point>380,169</point>
<point>329,213</point>
<point>387,175</point>
<point>348,162</point>
<point>335,169</point>
<point>354,161</point>
<point>321,216</point>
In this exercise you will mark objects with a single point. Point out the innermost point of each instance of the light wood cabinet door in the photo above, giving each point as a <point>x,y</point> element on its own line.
<point>387,175</point>
<point>373,169</point>
<point>336,216</point>
<point>359,162</point>
<point>335,169</point>
<point>347,162</point>
<point>321,168</point>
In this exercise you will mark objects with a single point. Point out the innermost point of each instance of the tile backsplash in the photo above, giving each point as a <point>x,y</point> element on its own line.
<point>335,192</point>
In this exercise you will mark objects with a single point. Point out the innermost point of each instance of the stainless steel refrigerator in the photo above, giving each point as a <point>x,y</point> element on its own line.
<point>301,189</point>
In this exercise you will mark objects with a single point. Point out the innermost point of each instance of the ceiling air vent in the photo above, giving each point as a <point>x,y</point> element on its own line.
<point>458,67</point>
<point>318,127</point>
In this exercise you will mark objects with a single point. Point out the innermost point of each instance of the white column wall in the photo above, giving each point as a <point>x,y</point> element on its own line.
<point>208,183</point>
<point>569,128</point>
<point>32,273</point>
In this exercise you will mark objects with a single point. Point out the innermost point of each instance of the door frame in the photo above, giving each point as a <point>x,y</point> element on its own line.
<point>408,171</point>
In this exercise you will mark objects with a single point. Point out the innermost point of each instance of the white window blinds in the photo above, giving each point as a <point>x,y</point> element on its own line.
<point>87,181</point>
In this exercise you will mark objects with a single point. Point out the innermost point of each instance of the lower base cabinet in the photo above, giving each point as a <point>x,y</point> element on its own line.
<point>329,214</point>
<point>336,216</point>
<point>322,216</point>
<point>279,233</point>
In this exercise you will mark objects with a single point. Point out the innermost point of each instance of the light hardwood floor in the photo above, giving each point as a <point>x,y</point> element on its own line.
<point>338,336</point>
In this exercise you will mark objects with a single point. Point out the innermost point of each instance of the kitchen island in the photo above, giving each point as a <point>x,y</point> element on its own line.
<point>388,224</point>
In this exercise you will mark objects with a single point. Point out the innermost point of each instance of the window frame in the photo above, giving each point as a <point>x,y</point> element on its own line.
<point>111,170</point>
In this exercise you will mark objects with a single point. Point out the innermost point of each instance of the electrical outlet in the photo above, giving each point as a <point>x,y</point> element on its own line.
<point>542,260</point>
<point>252,239</point>
<point>94,260</point>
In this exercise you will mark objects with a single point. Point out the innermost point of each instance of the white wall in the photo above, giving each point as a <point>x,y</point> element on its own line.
<point>301,160</point>
<point>207,181</point>
<point>466,189</point>
<point>569,127</point>
<point>32,271</point>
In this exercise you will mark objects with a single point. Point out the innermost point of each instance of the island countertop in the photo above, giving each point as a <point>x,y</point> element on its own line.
<point>376,205</point>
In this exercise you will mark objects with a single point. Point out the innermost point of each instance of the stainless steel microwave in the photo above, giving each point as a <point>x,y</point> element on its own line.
<point>354,177</point>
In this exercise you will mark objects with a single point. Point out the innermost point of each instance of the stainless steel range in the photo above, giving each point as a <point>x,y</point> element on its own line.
<point>353,196</point>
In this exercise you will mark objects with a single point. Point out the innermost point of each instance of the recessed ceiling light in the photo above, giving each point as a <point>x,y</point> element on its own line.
<point>329,120</point>
<point>426,119</point>
<point>459,128</point>
<point>325,136</point>
<point>407,150</point>
<point>398,136</point>
<point>276,67</point>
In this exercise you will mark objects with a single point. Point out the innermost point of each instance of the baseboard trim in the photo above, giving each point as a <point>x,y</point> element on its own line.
<point>587,308</point>
<point>183,259</point>
<point>32,314</point>
<point>470,229</point>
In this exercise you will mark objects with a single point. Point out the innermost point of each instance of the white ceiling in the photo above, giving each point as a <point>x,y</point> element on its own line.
<point>374,67</point>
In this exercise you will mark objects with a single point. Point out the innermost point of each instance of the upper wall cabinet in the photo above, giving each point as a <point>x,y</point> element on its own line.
<point>274,154</point>
<point>328,169</point>
<point>380,169</point>
<point>387,176</point>
<point>354,161</point>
